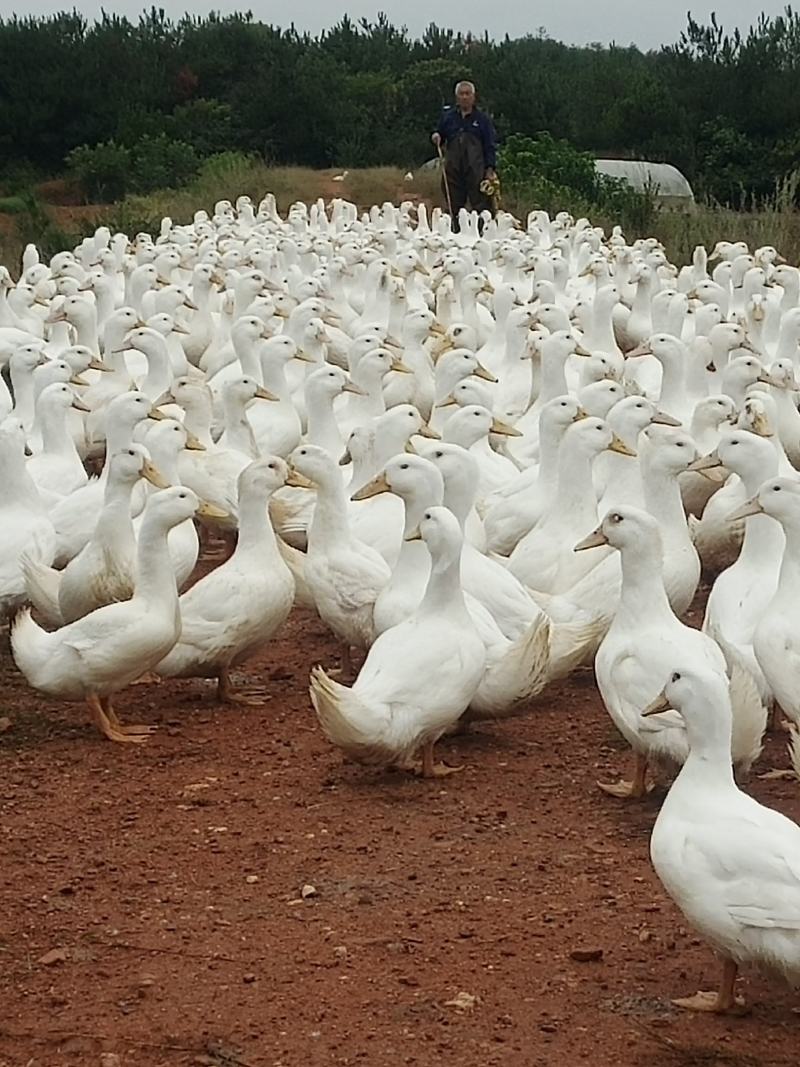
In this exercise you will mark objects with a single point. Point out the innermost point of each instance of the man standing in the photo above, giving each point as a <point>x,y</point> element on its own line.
<point>470,153</point>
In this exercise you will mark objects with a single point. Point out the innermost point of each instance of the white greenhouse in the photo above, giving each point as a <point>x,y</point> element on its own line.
<point>670,187</point>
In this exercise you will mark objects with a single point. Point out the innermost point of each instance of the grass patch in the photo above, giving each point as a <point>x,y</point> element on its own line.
<point>12,205</point>
<point>231,174</point>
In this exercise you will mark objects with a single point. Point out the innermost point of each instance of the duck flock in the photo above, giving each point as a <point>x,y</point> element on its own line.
<point>485,459</point>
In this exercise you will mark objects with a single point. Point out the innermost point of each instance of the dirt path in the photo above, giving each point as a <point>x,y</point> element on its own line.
<point>152,905</point>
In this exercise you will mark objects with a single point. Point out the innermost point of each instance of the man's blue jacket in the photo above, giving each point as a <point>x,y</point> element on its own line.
<point>477,124</point>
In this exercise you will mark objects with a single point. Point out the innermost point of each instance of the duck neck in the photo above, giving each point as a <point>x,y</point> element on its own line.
<point>789,579</point>
<point>552,380</point>
<point>114,525</point>
<point>643,593</point>
<point>549,443</point>
<point>248,357</point>
<point>199,416</point>
<point>662,498</point>
<point>256,535</point>
<point>323,429</point>
<point>22,384</point>
<point>443,594</point>
<point>18,486</point>
<point>272,374</point>
<point>159,373</point>
<point>708,765</point>
<point>238,431</point>
<point>330,522</point>
<point>673,384</point>
<point>576,491</point>
<point>55,435</point>
<point>155,577</point>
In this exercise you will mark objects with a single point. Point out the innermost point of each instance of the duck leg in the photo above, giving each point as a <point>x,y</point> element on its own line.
<point>431,769</point>
<point>723,1000</point>
<point>113,718</point>
<point>227,695</point>
<point>634,790</point>
<point>105,726</point>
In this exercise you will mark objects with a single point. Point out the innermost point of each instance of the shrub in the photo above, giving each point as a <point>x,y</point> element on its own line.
<point>102,170</point>
<point>543,172</point>
<point>161,163</point>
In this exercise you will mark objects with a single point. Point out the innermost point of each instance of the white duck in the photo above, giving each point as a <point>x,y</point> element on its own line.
<point>24,522</point>
<point>100,654</point>
<point>541,560</point>
<point>646,635</point>
<point>743,592</point>
<point>164,442</point>
<point>231,613</point>
<point>58,467</point>
<point>775,640</point>
<point>419,676</point>
<point>344,575</point>
<point>74,517</point>
<point>104,569</point>
<point>729,863</point>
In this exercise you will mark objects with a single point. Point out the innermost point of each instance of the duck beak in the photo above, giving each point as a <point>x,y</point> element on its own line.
<point>437,330</point>
<point>296,480</point>
<point>503,429</point>
<point>98,364</point>
<point>593,540</point>
<point>581,351</point>
<point>177,328</point>
<point>154,476</point>
<point>345,458</point>
<point>481,372</point>
<point>618,445</point>
<point>768,379</point>
<point>377,486</point>
<point>77,380</point>
<point>706,463</point>
<point>447,402</point>
<point>155,414</point>
<point>190,304</point>
<point>415,535</point>
<point>640,350</point>
<point>265,394</point>
<point>750,507</point>
<point>350,387</point>
<point>443,346</point>
<point>427,431</point>
<point>303,357</point>
<point>663,419</point>
<point>398,365</point>
<point>210,511</point>
<point>140,324</point>
<point>194,444</point>
<point>658,705</point>
<point>580,414</point>
<point>79,404</point>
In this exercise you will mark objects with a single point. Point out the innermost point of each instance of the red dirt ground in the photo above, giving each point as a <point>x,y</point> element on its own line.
<point>152,910</point>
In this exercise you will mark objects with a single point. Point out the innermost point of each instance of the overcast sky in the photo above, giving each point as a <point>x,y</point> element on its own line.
<point>647,23</point>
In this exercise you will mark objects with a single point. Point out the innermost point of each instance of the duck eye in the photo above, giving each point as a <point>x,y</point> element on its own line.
<point>675,677</point>
<point>403,466</point>
<point>776,488</point>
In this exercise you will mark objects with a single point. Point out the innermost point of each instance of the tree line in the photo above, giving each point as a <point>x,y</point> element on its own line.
<point>722,106</point>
